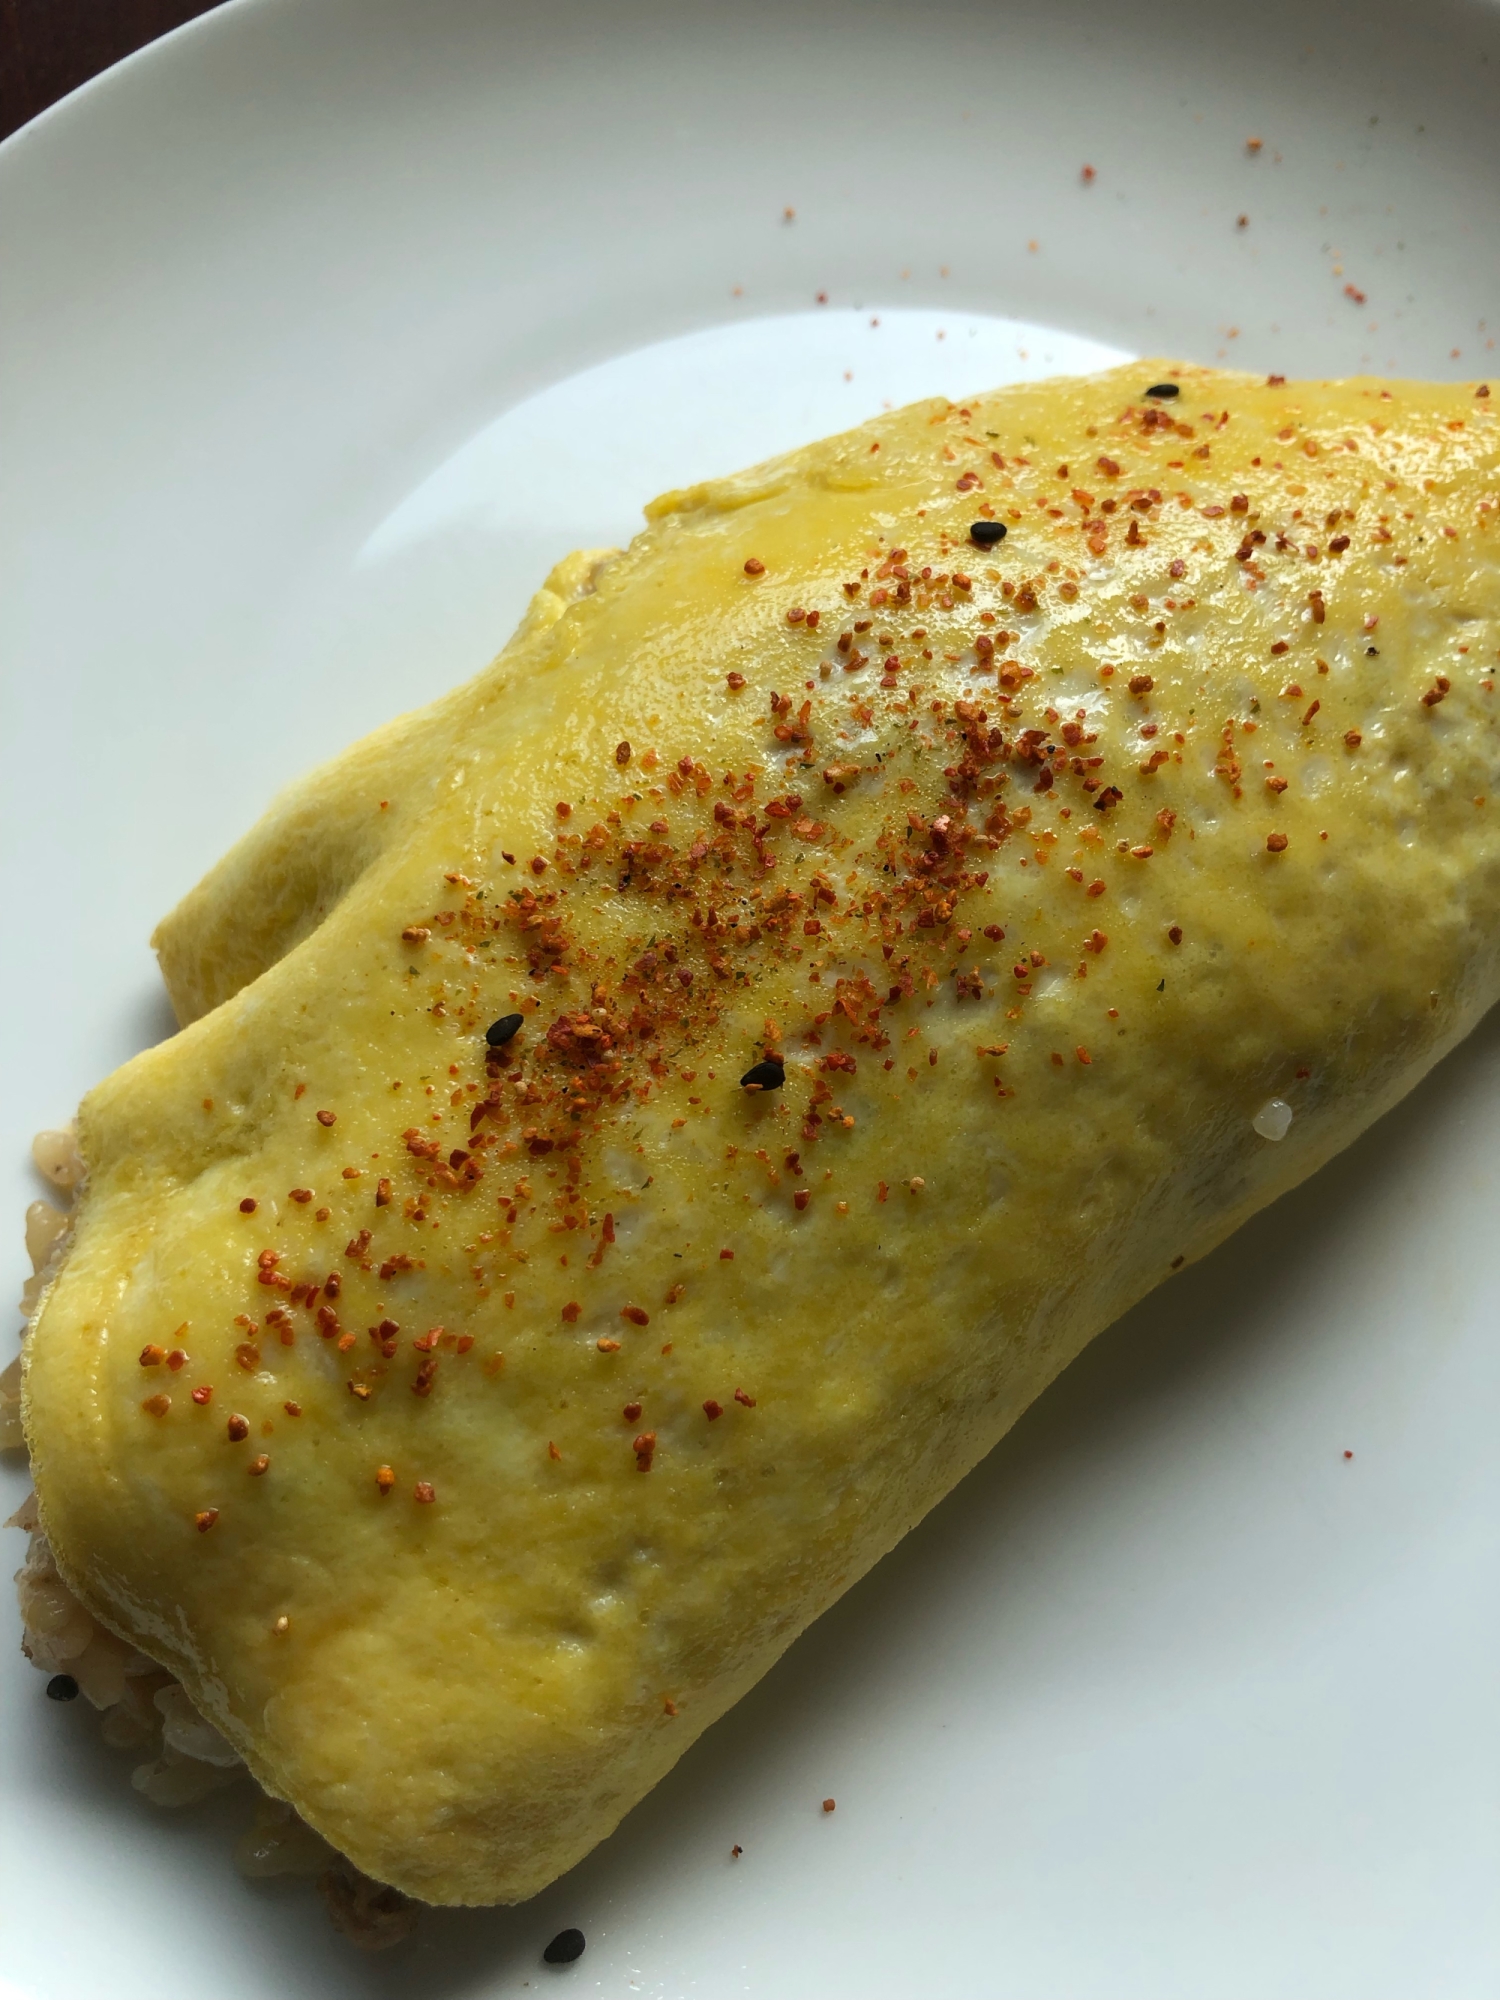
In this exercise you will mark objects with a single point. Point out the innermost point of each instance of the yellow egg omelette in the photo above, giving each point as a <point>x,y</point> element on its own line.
<point>645,1125</point>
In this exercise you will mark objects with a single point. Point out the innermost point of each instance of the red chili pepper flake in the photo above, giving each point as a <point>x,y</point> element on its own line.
<point>1276,843</point>
<point>415,934</point>
<point>712,1410</point>
<point>1353,738</point>
<point>735,682</point>
<point>1174,933</point>
<point>669,1707</point>
<point>829,1804</point>
<point>204,1521</point>
<point>327,1117</point>
<point>258,1465</point>
<point>607,1344</point>
<point>736,1851</point>
<point>637,1315</point>
<point>622,754</point>
<point>747,1401</point>
<point>249,1205</point>
<point>238,1427</point>
<point>1108,467</point>
<point>153,1357</point>
<point>385,1479</point>
<point>801,1198</point>
<point>423,1493</point>
<point>726,1256</point>
<point>300,1194</point>
<point>631,1413</point>
<point>157,1405</point>
<point>1087,175</point>
<point>754,566</point>
<point>292,1409</point>
<point>644,1447</point>
<point>203,1394</point>
<point>571,1311</point>
<point>1348,1454</point>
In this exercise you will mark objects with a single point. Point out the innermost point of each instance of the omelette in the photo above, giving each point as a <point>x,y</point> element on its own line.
<point>646,1125</point>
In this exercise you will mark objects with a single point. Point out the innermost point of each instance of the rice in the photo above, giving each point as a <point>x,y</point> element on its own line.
<point>182,1758</point>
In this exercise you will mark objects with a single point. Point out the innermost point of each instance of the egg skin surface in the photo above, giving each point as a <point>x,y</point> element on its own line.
<point>469,1426</point>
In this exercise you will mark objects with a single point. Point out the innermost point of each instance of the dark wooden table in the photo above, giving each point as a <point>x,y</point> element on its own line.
<point>49,47</point>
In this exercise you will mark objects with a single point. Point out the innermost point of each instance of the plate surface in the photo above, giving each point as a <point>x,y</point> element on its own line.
<point>326,328</point>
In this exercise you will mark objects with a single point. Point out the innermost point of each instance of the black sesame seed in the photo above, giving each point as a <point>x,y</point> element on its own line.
<point>985,534</point>
<point>764,1076</point>
<point>498,1033</point>
<point>62,1687</point>
<point>1164,391</point>
<point>564,1948</point>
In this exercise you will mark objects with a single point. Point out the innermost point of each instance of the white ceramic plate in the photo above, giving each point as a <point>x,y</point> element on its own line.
<point>324,329</point>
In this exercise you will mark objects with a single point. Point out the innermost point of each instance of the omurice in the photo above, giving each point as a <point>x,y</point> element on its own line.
<point>646,1125</point>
